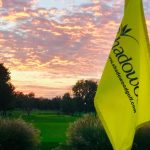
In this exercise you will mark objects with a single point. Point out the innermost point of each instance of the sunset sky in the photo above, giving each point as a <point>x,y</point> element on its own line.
<point>50,44</point>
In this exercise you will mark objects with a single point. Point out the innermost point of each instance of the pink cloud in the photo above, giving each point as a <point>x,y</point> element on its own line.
<point>72,44</point>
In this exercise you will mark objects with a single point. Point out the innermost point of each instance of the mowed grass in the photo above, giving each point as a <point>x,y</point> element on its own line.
<point>51,125</point>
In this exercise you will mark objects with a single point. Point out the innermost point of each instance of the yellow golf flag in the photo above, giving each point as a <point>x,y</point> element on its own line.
<point>122,100</point>
<point>126,2</point>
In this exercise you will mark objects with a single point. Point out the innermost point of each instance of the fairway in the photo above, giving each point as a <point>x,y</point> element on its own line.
<point>51,125</point>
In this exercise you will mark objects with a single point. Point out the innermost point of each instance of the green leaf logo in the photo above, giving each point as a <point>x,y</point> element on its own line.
<point>125,30</point>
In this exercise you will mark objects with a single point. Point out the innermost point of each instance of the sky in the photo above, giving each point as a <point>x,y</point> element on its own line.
<point>48,45</point>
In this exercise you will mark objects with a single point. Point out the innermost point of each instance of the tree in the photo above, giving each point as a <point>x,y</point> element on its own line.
<point>4,74</point>
<point>19,100</point>
<point>6,89</point>
<point>67,104</point>
<point>56,103</point>
<point>29,102</point>
<point>86,90</point>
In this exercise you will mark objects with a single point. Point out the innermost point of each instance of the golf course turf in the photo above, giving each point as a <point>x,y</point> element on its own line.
<point>52,126</point>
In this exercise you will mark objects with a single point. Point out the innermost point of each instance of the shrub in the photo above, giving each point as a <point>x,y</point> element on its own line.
<point>88,134</point>
<point>142,138</point>
<point>17,135</point>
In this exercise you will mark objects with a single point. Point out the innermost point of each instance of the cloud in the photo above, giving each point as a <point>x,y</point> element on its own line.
<point>17,4</point>
<point>46,46</point>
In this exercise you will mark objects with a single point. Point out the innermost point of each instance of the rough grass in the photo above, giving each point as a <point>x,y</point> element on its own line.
<point>52,126</point>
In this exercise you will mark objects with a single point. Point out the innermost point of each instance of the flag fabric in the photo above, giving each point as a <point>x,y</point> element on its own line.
<point>122,99</point>
<point>126,2</point>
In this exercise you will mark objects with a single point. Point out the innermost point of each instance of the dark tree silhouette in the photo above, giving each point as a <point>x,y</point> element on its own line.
<point>29,102</point>
<point>86,90</point>
<point>67,104</point>
<point>6,89</point>
<point>26,102</point>
<point>4,74</point>
<point>82,100</point>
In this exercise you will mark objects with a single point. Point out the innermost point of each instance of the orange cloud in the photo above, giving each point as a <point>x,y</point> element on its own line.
<point>58,61</point>
<point>15,16</point>
<point>49,49</point>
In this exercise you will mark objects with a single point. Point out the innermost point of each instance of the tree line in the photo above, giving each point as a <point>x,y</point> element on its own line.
<point>82,99</point>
